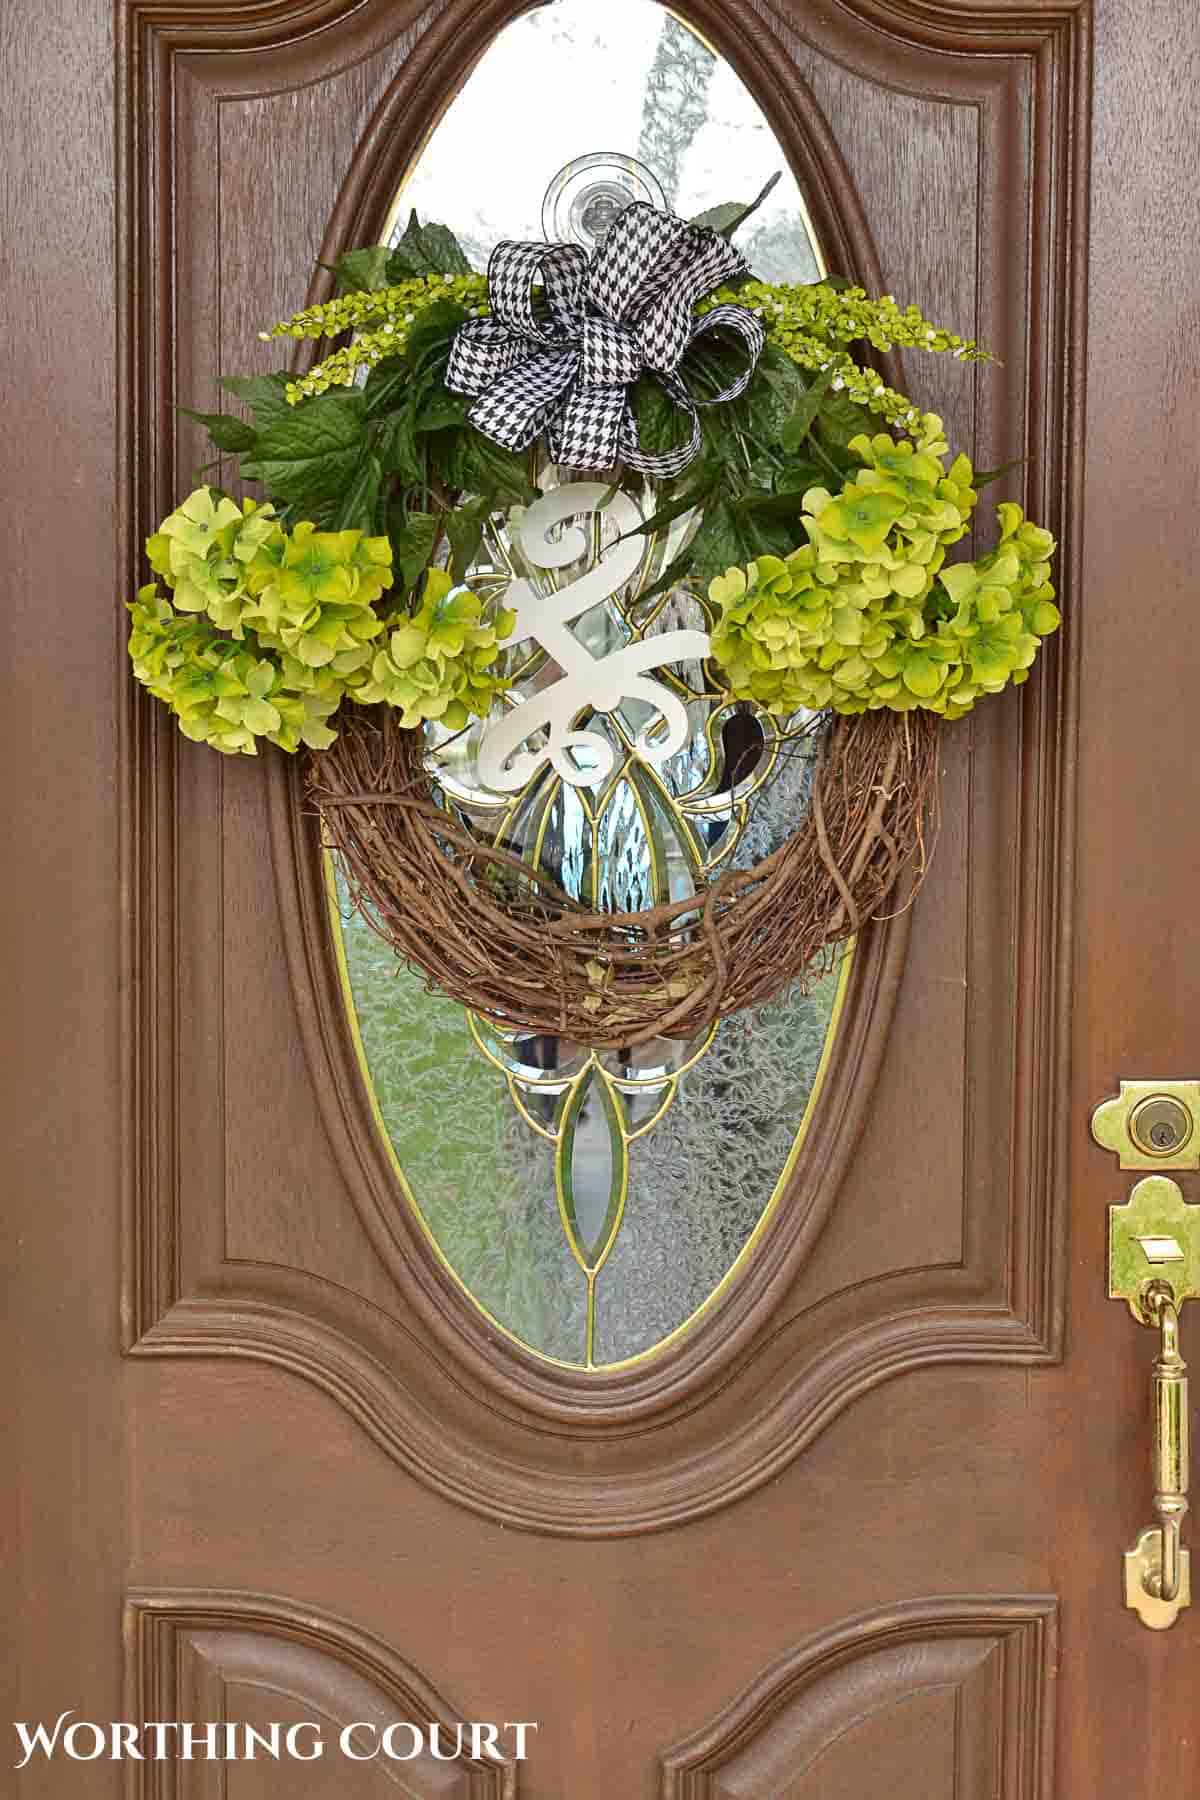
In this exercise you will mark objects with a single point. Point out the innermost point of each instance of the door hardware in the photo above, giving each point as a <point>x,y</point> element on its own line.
<point>1154,1266</point>
<point>1151,1125</point>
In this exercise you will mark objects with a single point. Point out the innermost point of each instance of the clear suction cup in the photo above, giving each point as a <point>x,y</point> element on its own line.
<point>590,193</point>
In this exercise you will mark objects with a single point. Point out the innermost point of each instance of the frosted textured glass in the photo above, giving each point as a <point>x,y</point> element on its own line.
<point>489,1206</point>
<point>580,76</point>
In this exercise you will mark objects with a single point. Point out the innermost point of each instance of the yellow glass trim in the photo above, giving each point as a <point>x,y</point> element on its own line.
<point>740,1260</point>
<point>514,1091</point>
<point>566,1210</point>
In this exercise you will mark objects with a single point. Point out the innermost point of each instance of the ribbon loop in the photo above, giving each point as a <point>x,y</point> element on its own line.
<point>566,366</point>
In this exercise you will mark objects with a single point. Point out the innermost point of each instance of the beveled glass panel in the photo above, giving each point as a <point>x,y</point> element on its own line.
<point>593,1203</point>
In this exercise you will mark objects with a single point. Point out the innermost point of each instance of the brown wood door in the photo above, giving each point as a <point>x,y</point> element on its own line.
<point>861,1529</point>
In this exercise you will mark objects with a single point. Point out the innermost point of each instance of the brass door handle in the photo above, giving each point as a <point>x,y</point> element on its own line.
<point>1154,1266</point>
<point>1162,1575</point>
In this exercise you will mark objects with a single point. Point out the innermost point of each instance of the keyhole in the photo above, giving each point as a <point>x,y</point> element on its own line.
<point>1160,1125</point>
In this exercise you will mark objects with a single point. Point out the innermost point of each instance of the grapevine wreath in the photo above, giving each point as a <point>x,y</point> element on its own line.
<point>812,509</point>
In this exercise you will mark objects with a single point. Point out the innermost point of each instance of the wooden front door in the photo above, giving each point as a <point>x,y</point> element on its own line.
<point>859,1530</point>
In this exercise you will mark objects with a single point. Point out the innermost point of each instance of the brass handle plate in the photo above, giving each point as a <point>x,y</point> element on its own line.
<point>1154,1266</point>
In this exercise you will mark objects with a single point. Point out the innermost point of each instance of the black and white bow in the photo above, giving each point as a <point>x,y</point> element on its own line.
<point>567,368</point>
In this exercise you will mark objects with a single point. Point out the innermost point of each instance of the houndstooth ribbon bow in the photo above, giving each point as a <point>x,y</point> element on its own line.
<point>567,369</point>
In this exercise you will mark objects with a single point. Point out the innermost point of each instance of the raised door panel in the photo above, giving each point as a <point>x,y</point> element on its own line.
<point>921,1220</point>
<point>297,1703</point>
<point>945,1700</point>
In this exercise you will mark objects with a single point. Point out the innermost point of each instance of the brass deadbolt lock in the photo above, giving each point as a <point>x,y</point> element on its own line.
<point>1151,1125</point>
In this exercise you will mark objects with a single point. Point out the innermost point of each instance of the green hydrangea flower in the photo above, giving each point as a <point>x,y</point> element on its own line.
<point>260,625</point>
<point>318,606</point>
<point>866,615</point>
<point>222,692</point>
<point>439,663</point>
<point>213,553</point>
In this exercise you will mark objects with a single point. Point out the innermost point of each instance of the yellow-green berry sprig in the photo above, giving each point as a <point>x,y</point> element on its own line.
<point>843,316</point>
<point>810,323</point>
<point>381,318</point>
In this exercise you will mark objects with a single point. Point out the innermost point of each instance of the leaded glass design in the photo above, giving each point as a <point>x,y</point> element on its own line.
<point>590,1205</point>
<point>593,1202</point>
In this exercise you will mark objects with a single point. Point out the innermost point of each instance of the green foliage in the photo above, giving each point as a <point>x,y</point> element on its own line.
<point>360,271</point>
<point>372,472</point>
<point>426,250</point>
<point>310,457</point>
<point>726,219</point>
<point>864,615</point>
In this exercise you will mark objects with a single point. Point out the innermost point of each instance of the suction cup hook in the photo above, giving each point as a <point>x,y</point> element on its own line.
<point>591,192</point>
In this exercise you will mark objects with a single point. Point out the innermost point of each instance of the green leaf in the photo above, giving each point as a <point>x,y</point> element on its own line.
<point>984,476</point>
<point>467,462</point>
<point>361,271</point>
<point>464,528</point>
<point>725,219</point>
<point>786,505</point>
<point>397,448</point>
<point>662,425</point>
<point>428,346</point>
<point>718,544</point>
<point>426,250</point>
<point>226,430</point>
<point>841,419</point>
<point>777,388</point>
<point>359,503</point>
<point>670,577</point>
<point>727,539</point>
<point>311,457</point>
<point>440,408</point>
<point>386,385</point>
<point>666,515</point>
<point>265,395</point>
<point>444,251</point>
<point>799,422</point>
<point>413,540</point>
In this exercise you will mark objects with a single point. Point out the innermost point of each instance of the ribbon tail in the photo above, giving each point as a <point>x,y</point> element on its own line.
<point>586,433</point>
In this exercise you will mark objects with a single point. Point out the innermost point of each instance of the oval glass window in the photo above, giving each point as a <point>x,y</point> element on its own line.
<point>593,1203</point>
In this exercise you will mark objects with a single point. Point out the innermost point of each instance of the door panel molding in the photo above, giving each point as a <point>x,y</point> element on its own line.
<point>329,1276</point>
<point>986,1664</point>
<point>188,1650</point>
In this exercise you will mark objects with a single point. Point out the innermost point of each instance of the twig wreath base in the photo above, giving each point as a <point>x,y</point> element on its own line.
<point>497,935</point>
